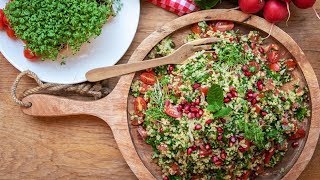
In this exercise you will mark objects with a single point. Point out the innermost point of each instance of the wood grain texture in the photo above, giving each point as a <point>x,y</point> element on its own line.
<point>83,147</point>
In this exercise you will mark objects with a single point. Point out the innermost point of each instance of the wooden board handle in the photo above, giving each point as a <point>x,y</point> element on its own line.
<point>48,105</point>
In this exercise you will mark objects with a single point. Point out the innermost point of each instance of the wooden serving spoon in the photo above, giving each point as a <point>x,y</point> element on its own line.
<point>177,57</point>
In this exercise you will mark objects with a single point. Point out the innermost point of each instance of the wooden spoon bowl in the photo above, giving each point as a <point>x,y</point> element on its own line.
<point>113,109</point>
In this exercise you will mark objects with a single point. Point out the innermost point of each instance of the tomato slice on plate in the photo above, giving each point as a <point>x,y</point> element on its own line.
<point>291,64</point>
<point>196,29</point>
<point>2,25</point>
<point>30,55</point>
<point>224,25</point>
<point>5,20</point>
<point>148,78</point>
<point>10,32</point>
<point>140,105</point>
<point>275,67</point>
<point>172,111</point>
<point>273,56</point>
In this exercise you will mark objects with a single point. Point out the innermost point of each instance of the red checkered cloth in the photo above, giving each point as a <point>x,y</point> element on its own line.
<point>179,7</point>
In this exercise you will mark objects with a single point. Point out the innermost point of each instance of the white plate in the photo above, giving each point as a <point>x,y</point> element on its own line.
<point>105,50</point>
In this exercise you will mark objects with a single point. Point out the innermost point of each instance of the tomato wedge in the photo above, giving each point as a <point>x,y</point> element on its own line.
<point>148,78</point>
<point>10,32</point>
<point>30,55</point>
<point>204,90</point>
<point>196,29</point>
<point>291,64</point>
<point>275,67</point>
<point>5,20</point>
<point>268,155</point>
<point>2,25</point>
<point>140,105</point>
<point>301,133</point>
<point>172,111</point>
<point>273,56</point>
<point>224,26</point>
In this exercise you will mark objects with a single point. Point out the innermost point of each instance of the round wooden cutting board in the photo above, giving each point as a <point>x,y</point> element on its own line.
<point>113,109</point>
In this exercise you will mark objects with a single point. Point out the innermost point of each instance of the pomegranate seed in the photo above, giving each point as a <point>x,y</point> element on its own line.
<point>186,111</point>
<point>209,121</point>
<point>189,150</point>
<point>196,85</point>
<point>254,102</point>
<point>250,95</point>
<point>233,139</point>
<point>200,112</point>
<point>283,99</point>
<point>220,130</point>
<point>191,115</point>
<point>232,88</point>
<point>198,115</point>
<point>208,147</point>
<point>226,100</point>
<point>165,178</point>
<point>184,102</point>
<point>219,138</point>
<point>194,109</point>
<point>216,160</point>
<point>247,73</point>
<point>245,68</point>
<point>250,99</point>
<point>255,95</point>
<point>223,154</point>
<point>295,144</point>
<point>179,108</point>
<point>229,95</point>
<point>234,94</point>
<point>260,87</point>
<point>187,107</point>
<point>194,147</point>
<point>170,68</point>
<point>250,91</point>
<point>263,113</point>
<point>198,127</point>
<point>253,45</point>
<point>261,50</point>
<point>161,130</point>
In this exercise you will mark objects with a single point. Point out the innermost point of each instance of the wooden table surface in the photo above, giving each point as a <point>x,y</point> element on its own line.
<point>82,147</point>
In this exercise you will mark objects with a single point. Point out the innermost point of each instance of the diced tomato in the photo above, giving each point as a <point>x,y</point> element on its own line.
<point>143,88</point>
<point>10,32</point>
<point>274,67</point>
<point>196,29</point>
<point>140,105</point>
<point>172,111</point>
<point>291,64</point>
<point>30,55</point>
<point>224,25</point>
<point>258,109</point>
<point>148,78</point>
<point>273,56</point>
<point>268,155</point>
<point>204,90</point>
<point>245,175</point>
<point>301,133</point>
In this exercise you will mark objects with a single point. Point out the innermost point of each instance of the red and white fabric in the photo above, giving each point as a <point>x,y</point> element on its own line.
<point>179,7</point>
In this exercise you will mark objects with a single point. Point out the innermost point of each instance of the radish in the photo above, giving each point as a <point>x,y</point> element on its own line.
<point>288,8</point>
<point>305,4</point>
<point>251,6</point>
<point>275,11</point>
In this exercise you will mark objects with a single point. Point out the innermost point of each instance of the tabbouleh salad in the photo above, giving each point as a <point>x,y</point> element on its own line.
<point>225,114</point>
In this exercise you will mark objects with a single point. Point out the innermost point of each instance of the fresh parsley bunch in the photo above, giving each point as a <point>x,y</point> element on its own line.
<point>48,26</point>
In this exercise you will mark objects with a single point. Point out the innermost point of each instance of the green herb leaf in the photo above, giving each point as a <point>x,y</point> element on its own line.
<point>222,113</point>
<point>215,95</point>
<point>213,107</point>
<point>206,4</point>
<point>301,113</point>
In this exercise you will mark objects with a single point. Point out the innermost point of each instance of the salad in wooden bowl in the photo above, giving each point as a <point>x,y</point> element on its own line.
<point>238,111</point>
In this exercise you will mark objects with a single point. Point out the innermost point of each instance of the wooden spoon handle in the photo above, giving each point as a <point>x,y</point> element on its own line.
<point>48,105</point>
<point>122,69</point>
